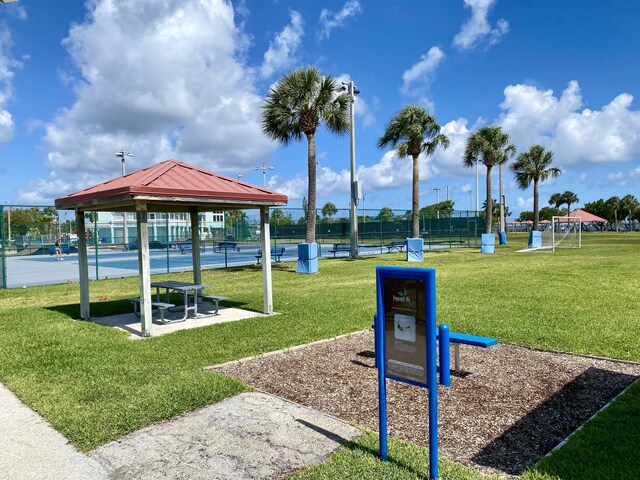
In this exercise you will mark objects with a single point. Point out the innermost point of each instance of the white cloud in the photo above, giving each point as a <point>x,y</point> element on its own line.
<point>575,135</point>
<point>7,66</point>
<point>281,52</point>
<point>477,28</point>
<point>161,80</point>
<point>416,80</point>
<point>524,203</point>
<point>330,20</point>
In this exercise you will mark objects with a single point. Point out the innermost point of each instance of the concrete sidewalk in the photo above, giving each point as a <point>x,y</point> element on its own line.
<point>30,449</point>
<point>249,436</point>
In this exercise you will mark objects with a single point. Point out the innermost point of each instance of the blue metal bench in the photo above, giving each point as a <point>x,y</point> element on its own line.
<point>340,247</point>
<point>474,340</point>
<point>276,254</point>
<point>226,244</point>
<point>187,248</point>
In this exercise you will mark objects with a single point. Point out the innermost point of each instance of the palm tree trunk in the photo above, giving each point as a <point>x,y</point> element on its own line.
<point>415,201</point>
<point>311,204</point>
<point>536,205</point>
<point>489,209</point>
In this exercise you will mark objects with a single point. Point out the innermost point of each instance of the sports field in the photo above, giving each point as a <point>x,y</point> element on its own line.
<point>94,384</point>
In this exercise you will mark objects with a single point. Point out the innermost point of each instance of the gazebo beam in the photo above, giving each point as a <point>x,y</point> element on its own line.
<point>195,247</point>
<point>265,241</point>
<point>83,267</point>
<point>144,269</point>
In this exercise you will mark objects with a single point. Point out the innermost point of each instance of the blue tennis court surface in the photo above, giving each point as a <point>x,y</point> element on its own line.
<point>33,270</point>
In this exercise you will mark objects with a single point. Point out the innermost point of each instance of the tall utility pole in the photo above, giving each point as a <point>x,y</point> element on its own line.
<point>352,92</point>
<point>477,195</point>
<point>437,189</point>
<point>121,155</point>
<point>470,204</point>
<point>264,169</point>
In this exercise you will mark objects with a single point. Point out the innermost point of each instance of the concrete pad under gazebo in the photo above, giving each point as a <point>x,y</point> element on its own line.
<point>170,186</point>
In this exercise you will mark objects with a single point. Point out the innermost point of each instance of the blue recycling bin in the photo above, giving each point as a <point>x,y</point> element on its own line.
<point>535,239</point>
<point>488,243</point>
<point>307,258</point>
<point>503,238</point>
<point>415,247</point>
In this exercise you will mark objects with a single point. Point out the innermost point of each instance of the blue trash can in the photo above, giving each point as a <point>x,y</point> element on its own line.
<point>488,243</point>
<point>535,239</point>
<point>503,238</point>
<point>307,258</point>
<point>415,247</point>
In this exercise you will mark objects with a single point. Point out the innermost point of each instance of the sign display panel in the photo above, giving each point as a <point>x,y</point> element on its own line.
<point>405,330</point>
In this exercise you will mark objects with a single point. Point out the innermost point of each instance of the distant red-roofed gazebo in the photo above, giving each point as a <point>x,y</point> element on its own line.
<point>169,186</point>
<point>586,217</point>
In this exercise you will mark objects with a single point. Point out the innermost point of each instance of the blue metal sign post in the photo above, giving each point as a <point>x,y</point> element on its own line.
<point>405,343</point>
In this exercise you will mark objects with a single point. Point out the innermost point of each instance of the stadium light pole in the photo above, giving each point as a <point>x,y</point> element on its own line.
<point>122,155</point>
<point>446,188</point>
<point>477,195</point>
<point>264,169</point>
<point>352,91</point>
<point>437,189</point>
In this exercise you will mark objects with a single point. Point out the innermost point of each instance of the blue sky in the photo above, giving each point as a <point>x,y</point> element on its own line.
<point>186,79</point>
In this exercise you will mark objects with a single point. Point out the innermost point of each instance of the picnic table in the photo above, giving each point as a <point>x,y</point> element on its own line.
<point>187,289</point>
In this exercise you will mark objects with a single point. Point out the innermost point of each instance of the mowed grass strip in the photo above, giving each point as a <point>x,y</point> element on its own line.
<point>94,384</point>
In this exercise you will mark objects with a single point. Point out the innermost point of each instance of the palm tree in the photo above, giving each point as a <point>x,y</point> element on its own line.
<point>630,205</point>
<point>533,166</point>
<point>297,105</point>
<point>411,132</point>
<point>489,146</point>
<point>569,198</point>
<point>329,210</point>
<point>556,200</point>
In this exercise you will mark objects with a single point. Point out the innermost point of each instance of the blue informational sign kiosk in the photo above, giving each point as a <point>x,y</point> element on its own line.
<point>405,338</point>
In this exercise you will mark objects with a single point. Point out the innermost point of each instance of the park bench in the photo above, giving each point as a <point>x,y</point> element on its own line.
<point>396,245</point>
<point>226,244</point>
<point>276,254</point>
<point>64,249</point>
<point>213,298</point>
<point>464,339</point>
<point>187,247</point>
<point>161,306</point>
<point>340,247</point>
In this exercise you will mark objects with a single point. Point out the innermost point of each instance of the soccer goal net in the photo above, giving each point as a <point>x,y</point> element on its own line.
<point>562,232</point>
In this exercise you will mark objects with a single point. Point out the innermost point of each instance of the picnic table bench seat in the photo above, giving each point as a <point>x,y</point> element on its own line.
<point>213,298</point>
<point>340,247</point>
<point>396,245</point>
<point>161,306</point>
<point>276,254</point>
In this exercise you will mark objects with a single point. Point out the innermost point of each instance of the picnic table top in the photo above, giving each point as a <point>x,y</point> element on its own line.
<point>176,285</point>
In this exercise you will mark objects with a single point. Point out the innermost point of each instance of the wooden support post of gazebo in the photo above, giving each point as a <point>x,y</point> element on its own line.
<point>170,186</point>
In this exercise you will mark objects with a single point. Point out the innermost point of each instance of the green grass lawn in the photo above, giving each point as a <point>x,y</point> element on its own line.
<point>94,384</point>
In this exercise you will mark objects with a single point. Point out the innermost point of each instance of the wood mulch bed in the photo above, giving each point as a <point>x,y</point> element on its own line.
<point>509,406</point>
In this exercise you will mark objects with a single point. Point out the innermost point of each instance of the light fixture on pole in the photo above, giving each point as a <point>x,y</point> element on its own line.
<point>446,188</point>
<point>264,169</point>
<point>352,91</point>
<point>122,154</point>
<point>437,189</point>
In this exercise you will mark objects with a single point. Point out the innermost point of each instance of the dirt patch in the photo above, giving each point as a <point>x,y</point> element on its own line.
<point>509,406</point>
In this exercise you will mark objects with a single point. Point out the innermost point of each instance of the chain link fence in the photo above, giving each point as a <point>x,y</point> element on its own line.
<point>29,256</point>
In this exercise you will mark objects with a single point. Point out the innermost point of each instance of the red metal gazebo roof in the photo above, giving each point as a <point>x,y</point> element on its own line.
<point>174,185</point>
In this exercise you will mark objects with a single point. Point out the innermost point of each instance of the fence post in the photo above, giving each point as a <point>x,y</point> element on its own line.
<point>3,257</point>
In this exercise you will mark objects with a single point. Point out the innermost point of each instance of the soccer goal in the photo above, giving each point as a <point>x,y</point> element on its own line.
<point>562,232</point>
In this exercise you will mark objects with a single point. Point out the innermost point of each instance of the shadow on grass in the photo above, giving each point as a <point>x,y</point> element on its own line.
<point>552,421</point>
